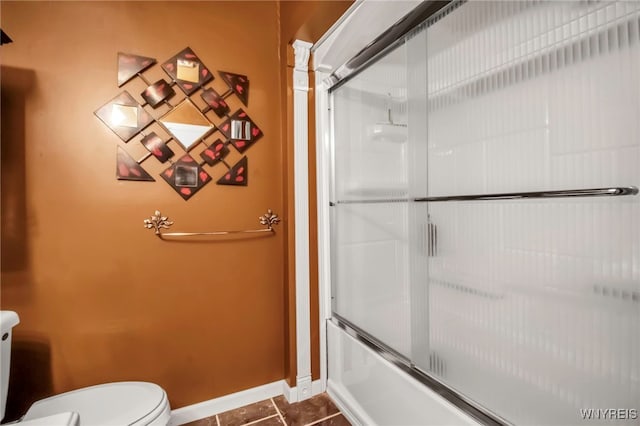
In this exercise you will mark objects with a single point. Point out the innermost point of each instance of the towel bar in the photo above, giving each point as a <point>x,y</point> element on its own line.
<point>157,222</point>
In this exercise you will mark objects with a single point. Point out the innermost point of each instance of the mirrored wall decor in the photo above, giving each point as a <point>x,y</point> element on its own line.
<point>179,120</point>
<point>241,131</point>
<point>186,176</point>
<point>237,175</point>
<point>215,102</point>
<point>129,66</point>
<point>187,71</point>
<point>186,124</point>
<point>215,153</point>
<point>157,93</point>
<point>156,146</point>
<point>239,84</point>
<point>128,169</point>
<point>124,116</point>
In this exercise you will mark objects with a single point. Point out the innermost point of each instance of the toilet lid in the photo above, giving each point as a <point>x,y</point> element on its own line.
<point>121,403</point>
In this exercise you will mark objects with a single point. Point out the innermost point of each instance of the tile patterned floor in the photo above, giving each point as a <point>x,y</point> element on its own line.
<point>316,411</point>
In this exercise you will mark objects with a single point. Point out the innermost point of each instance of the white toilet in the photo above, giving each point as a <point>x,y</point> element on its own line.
<point>110,404</point>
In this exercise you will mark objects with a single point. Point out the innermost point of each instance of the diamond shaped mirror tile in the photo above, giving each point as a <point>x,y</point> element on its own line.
<point>241,131</point>
<point>124,116</point>
<point>188,71</point>
<point>187,124</point>
<point>186,176</point>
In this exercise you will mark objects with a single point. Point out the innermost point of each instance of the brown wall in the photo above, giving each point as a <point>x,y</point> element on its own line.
<point>100,298</point>
<point>308,20</point>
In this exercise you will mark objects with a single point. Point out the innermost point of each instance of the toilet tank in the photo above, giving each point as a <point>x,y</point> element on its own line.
<point>8,320</point>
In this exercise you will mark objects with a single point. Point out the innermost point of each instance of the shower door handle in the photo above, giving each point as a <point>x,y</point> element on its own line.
<point>432,239</point>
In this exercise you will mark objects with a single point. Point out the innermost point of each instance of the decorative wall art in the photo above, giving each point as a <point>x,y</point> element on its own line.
<point>188,127</point>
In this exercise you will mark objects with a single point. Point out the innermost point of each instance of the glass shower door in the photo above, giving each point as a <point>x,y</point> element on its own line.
<point>528,306</point>
<point>370,231</point>
<point>534,307</point>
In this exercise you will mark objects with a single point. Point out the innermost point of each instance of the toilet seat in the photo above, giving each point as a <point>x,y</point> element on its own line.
<point>120,403</point>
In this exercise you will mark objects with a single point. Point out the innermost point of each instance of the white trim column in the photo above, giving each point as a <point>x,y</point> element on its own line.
<point>302,50</point>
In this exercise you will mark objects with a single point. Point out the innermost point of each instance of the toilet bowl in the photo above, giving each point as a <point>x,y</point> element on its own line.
<point>120,403</point>
<point>110,404</point>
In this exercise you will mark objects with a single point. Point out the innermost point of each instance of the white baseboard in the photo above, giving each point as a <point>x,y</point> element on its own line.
<point>232,401</point>
<point>291,393</point>
<point>317,387</point>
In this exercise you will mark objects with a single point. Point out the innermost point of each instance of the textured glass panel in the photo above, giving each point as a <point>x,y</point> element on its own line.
<point>372,288</point>
<point>371,132</point>
<point>534,305</point>
<point>370,244</point>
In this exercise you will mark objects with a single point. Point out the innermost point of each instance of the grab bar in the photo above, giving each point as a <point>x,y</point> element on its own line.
<point>593,192</point>
<point>157,222</point>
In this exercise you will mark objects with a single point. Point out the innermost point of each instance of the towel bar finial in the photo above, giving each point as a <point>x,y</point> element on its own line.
<point>269,219</point>
<point>157,221</point>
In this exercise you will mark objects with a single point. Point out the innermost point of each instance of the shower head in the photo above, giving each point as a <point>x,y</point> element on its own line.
<point>389,131</point>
